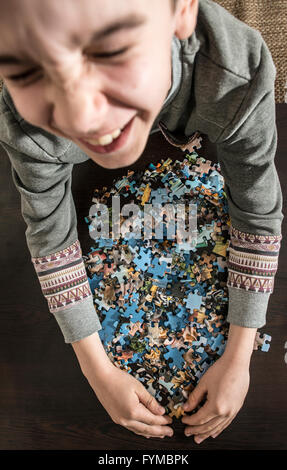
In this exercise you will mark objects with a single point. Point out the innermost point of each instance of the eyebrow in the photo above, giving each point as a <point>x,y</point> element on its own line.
<point>129,22</point>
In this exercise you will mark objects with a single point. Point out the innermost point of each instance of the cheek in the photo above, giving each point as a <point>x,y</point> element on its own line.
<point>145,80</point>
<point>23,102</point>
<point>30,105</point>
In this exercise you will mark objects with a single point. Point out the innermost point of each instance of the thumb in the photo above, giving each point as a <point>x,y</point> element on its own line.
<point>150,402</point>
<point>195,397</point>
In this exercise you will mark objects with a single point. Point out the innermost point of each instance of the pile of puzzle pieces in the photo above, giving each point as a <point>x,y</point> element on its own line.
<point>163,307</point>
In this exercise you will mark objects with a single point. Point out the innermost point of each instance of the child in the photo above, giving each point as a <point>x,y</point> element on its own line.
<point>74,72</point>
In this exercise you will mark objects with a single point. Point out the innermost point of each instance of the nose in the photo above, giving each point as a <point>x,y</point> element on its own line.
<point>78,112</point>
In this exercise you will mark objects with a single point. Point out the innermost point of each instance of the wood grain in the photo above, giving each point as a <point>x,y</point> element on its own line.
<point>46,403</point>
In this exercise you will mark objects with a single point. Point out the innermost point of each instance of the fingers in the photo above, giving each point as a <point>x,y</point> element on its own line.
<point>220,428</point>
<point>203,423</point>
<point>195,397</point>
<point>148,431</point>
<point>202,416</point>
<point>207,427</point>
<point>214,432</point>
<point>204,435</point>
<point>145,423</point>
<point>145,416</point>
<point>149,401</point>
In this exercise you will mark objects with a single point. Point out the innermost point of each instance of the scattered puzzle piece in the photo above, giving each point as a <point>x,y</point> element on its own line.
<point>262,342</point>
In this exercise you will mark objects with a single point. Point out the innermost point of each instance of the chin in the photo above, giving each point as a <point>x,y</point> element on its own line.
<point>114,163</point>
<point>122,159</point>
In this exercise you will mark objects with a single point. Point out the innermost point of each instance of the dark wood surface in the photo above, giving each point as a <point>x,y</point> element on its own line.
<point>45,401</point>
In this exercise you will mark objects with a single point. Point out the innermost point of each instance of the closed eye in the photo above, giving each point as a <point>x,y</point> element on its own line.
<point>28,73</point>
<point>22,76</point>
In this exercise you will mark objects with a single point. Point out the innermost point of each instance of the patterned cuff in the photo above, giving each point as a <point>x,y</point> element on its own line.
<point>63,277</point>
<point>253,261</point>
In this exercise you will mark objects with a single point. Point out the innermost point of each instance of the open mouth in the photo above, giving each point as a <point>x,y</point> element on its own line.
<point>116,144</point>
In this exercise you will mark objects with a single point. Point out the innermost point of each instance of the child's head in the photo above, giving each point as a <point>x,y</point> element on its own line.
<point>72,89</point>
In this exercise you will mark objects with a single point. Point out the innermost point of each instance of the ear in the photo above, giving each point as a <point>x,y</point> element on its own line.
<point>186,18</point>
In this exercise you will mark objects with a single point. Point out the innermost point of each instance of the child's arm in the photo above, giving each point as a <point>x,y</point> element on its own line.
<point>125,398</point>
<point>246,151</point>
<point>44,183</point>
<point>225,384</point>
<point>47,206</point>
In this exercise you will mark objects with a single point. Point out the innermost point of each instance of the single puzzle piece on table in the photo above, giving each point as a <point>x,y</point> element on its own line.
<point>262,342</point>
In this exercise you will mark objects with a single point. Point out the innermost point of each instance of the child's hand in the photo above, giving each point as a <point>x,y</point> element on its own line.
<point>226,386</point>
<point>129,403</point>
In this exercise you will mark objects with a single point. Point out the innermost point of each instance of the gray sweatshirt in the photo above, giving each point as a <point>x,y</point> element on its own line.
<point>223,86</point>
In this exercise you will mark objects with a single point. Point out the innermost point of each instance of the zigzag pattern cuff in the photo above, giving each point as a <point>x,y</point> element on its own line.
<point>63,277</point>
<point>253,261</point>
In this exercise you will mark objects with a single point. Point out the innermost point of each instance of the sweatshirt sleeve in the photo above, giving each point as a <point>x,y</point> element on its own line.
<point>48,209</point>
<point>246,151</point>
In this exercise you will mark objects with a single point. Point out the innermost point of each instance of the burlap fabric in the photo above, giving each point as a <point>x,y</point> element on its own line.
<point>270,18</point>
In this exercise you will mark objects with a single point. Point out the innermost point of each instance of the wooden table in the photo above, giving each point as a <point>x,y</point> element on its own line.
<point>45,401</point>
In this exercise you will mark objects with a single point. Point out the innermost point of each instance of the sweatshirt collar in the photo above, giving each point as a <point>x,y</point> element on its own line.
<point>176,70</point>
<point>183,55</point>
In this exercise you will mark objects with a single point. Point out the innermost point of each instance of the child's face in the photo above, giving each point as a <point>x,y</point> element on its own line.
<point>73,92</point>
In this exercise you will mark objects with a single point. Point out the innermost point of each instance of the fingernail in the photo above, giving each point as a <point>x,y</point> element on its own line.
<point>198,441</point>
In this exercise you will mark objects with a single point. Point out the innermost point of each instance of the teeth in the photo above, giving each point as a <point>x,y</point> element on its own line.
<point>105,139</point>
<point>116,133</point>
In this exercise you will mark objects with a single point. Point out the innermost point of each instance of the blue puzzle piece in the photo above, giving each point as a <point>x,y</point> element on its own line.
<point>181,311</point>
<point>186,171</point>
<point>157,268</point>
<point>176,356</point>
<point>159,196</point>
<point>216,180</point>
<point>130,309</point>
<point>121,274</point>
<point>177,187</point>
<point>174,321</point>
<point>109,325</point>
<point>135,358</point>
<point>265,346</point>
<point>193,301</point>
<point>191,185</point>
<point>143,259</point>
<point>95,281</point>
<point>202,341</point>
<point>125,328</point>
<point>217,342</point>
<point>105,242</point>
